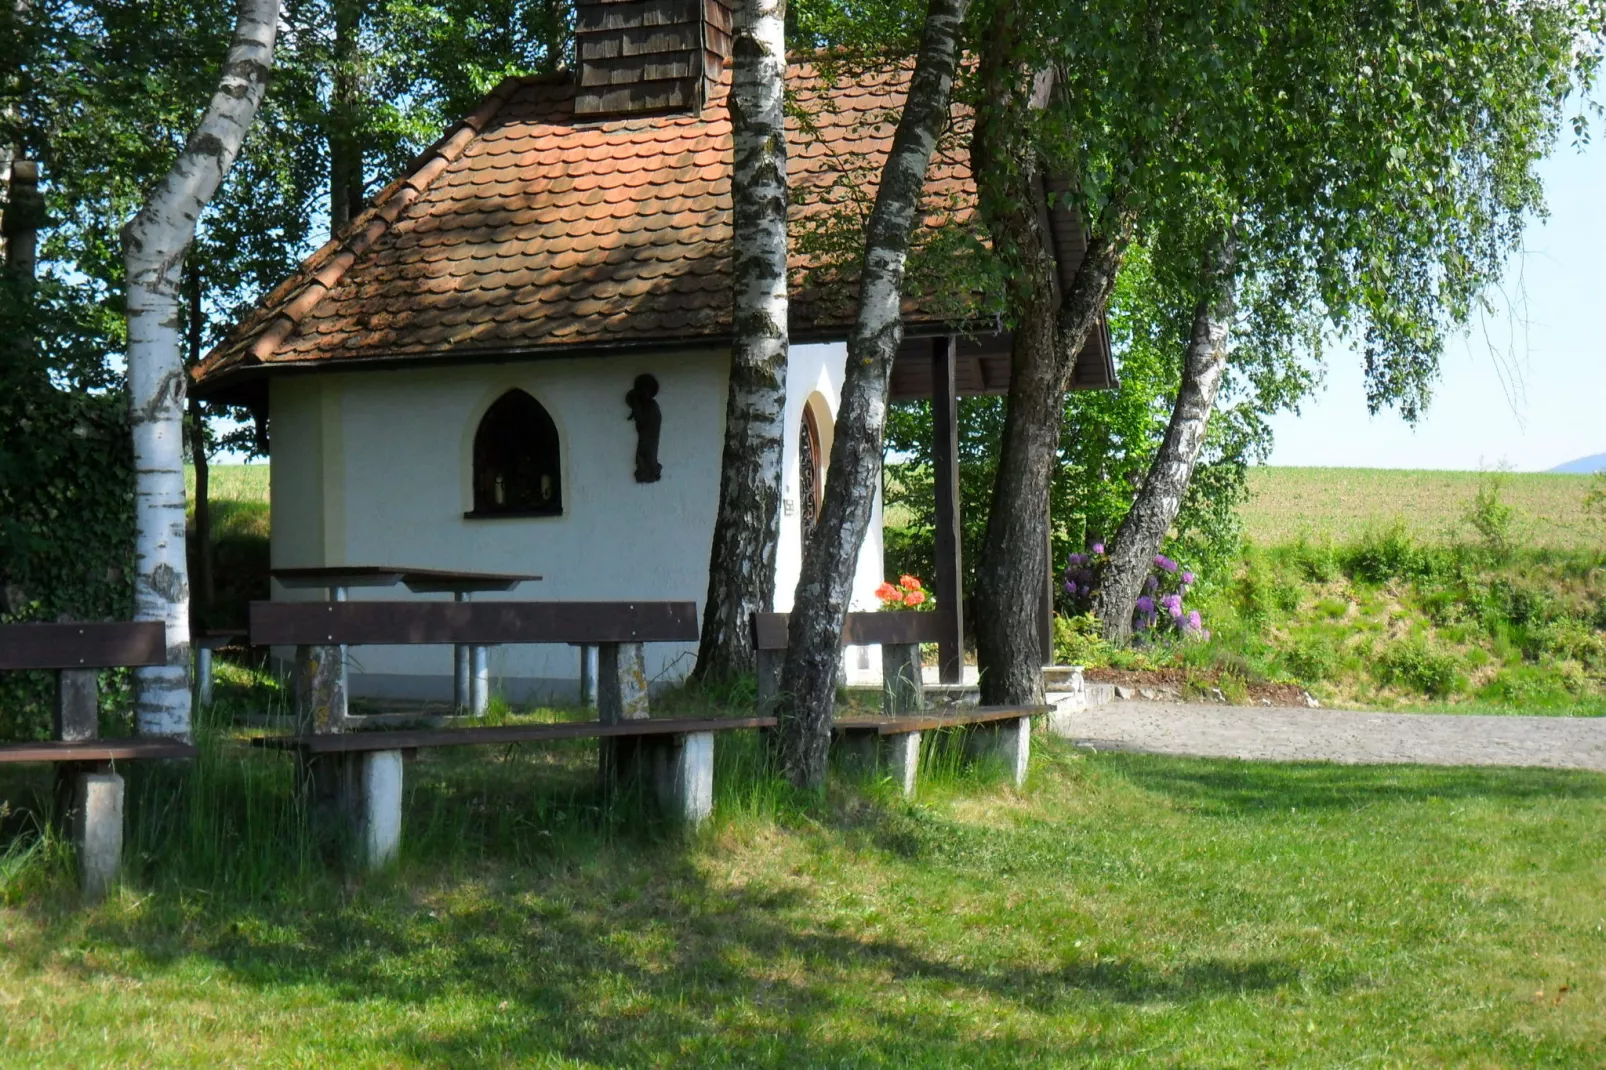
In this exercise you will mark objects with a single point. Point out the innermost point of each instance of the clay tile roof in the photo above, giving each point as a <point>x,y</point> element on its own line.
<point>524,229</point>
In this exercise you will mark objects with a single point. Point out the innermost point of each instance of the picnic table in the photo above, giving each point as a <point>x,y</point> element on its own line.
<point>471,687</point>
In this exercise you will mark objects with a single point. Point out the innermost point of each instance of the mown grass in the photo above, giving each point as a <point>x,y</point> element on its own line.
<point>1122,910</point>
<point>1341,505</point>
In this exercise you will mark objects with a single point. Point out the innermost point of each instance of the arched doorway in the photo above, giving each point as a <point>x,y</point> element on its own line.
<point>810,472</point>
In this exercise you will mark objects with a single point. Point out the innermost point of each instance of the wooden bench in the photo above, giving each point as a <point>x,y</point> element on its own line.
<point>355,778</point>
<point>89,792</point>
<point>1002,731</point>
<point>357,775</point>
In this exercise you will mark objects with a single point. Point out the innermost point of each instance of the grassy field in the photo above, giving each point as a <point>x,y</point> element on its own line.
<point>1342,504</point>
<point>1122,911</point>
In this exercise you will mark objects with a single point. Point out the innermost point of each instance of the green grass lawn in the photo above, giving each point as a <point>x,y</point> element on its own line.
<point>1342,504</point>
<point>1122,911</point>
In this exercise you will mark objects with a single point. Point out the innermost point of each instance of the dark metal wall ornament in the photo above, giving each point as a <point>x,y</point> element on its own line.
<point>649,421</point>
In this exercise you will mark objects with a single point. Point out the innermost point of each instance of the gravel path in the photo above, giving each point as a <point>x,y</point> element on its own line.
<point>1271,734</point>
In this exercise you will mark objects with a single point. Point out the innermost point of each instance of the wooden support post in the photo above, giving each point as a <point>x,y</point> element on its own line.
<point>945,457</point>
<point>902,690</point>
<point>1046,615</point>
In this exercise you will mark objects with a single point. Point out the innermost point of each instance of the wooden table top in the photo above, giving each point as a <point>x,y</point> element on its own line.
<point>418,580</point>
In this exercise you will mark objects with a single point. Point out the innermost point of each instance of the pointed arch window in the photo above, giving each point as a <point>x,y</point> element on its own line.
<point>516,460</point>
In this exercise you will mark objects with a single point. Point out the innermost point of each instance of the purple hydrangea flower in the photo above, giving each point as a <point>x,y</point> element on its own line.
<point>1098,547</point>
<point>1145,605</point>
<point>1172,601</point>
<point>1187,577</point>
<point>1070,588</point>
<point>1077,559</point>
<point>1166,563</point>
<point>1195,622</point>
<point>1151,584</point>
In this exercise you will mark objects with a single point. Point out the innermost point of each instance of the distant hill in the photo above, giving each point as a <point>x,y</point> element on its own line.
<point>1583,466</point>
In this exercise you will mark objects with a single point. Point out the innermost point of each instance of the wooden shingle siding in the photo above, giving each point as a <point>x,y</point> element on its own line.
<point>648,55</point>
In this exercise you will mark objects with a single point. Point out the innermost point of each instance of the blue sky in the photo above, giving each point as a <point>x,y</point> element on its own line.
<point>1526,389</point>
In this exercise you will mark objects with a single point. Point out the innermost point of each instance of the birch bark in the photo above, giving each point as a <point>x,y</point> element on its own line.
<point>1160,498</point>
<point>814,633</point>
<point>154,243</point>
<point>741,567</point>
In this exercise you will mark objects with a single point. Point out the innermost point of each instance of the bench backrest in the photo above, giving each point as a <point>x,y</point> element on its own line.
<point>96,645</point>
<point>470,623</point>
<point>863,629</point>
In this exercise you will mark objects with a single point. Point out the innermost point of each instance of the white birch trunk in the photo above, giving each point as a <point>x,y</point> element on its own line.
<point>741,568</point>
<point>814,633</point>
<point>154,243</point>
<point>1160,498</point>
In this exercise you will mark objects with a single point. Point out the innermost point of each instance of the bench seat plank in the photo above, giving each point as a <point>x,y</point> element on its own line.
<point>351,742</point>
<point>95,750</point>
<point>891,726</point>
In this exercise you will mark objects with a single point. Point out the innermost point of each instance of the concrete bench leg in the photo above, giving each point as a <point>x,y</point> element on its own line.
<point>902,690</point>
<point>380,818</point>
<point>621,682</point>
<point>97,831</point>
<point>683,776</point>
<point>903,760</point>
<point>359,796</point>
<point>1008,741</point>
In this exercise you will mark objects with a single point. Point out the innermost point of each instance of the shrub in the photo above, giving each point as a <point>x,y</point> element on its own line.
<point>1311,659</point>
<point>1413,664</point>
<point>1080,641</point>
<point>1317,562</point>
<point>1387,555</point>
<point>1492,518</point>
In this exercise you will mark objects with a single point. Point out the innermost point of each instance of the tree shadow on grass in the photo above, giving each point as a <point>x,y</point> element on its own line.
<point>1212,785</point>
<point>610,944</point>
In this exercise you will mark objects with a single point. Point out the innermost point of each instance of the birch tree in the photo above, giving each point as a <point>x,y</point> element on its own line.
<point>741,567</point>
<point>154,245</point>
<point>814,631</point>
<point>1166,483</point>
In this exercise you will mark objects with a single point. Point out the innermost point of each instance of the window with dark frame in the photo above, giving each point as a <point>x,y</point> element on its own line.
<point>516,460</point>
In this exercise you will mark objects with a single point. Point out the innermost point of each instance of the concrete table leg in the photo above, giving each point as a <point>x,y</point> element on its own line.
<point>97,831</point>
<point>903,760</point>
<point>77,712</point>
<point>683,777</point>
<point>769,680</point>
<point>480,681</point>
<point>588,676</point>
<point>462,668</point>
<point>621,683</point>
<point>320,682</point>
<point>902,690</point>
<point>203,676</point>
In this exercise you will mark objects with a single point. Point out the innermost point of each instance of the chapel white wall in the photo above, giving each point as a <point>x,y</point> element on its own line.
<point>375,468</point>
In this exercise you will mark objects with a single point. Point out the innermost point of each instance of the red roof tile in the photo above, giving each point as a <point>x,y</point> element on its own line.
<point>524,229</point>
